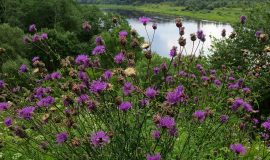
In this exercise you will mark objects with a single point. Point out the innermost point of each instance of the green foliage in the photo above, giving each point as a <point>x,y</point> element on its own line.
<point>11,39</point>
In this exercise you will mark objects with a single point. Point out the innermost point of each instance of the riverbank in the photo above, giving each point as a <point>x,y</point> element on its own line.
<point>226,15</point>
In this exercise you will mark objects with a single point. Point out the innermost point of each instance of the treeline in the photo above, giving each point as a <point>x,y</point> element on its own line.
<point>189,4</point>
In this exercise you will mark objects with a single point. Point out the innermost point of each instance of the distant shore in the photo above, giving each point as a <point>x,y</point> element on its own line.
<point>226,15</point>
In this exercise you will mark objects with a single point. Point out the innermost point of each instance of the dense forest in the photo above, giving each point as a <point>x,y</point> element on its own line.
<point>190,4</point>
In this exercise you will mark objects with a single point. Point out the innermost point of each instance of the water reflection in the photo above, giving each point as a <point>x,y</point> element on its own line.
<point>167,33</point>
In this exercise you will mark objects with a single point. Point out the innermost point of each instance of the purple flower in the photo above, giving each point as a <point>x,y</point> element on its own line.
<point>34,59</point>
<point>119,58</point>
<point>124,106</point>
<point>204,78</point>
<point>182,73</point>
<point>169,79</point>
<point>46,102</point>
<point>123,34</point>
<point>61,137</point>
<point>144,20</point>
<point>236,104</point>
<point>107,74</point>
<point>144,102</point>
<point>55,75</point>
<point>156,70</point>
<point>40,92</point>
<point>23,68</point>
<point>266,125</point>
<point>99,139</point>
<point>44,36</point>
<point>2,84</point>
<point>258,34</point>
<point>200,115</point>
<point>224,118</point>
<point>8,122</point>
<point>155,134</point>
<point>246,90</point>
<point>4,106</point>
<point>166,122</point>
<point>213,72</point>
<point>83,98</point>
<point>98,50</point>
<point>154,157</point>
<point>200,35</point>
<point>255,121</point>
<point>243,19</point>
<point>82,59</point>
<point>150,93</point>
<point>217,82</point>
<point>238,148</point>
<point>83,76</point>
<point>265,136</point>
<point>173,51</point>
<point>26,112</point>
<point>99,41</point>
<point>32,28</point>
<point>128,88</point>
<point>98,86</point>
<point>176,96</point>
<point>35,38</point>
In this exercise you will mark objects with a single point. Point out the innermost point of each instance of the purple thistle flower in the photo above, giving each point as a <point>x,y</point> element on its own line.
<point>266,125</point>
<point>44,36</point>
<point>123,34</point>
<point>119,58</point>
<point>4,106</point>
<point>99,139</point>
<point>34,59</point>
<point>2,84</point>
<point>243,19</point>
<point>236,104</point>
<point>173,132</point>
<point>182,73</point>
<point>265,136</point>
<point>238,148</point>
<point>40,92</point>
<point>166,122</point>
<point>82,98</point>
<point>8,122</point>
<point>83,76</point>
<point>204,78</point>
<point>61,137</point>
<point>176,96</point>
<point>173,51</point>
<point>150,93</point>
<point>107,74</point>
<point>200,35</point>
<point>82,59</point>
<point>144,20</point>
<point>246,90</point>
<point>169,79</point>
<point>35,38</point>
<point>98,86</point>
<point>99,41</point>
<point>258,34</point>
<point>224,118</point>
<point>55,75</point>
<point>32,28</point>
<point>213,72</point>
<point>156,70</point>
<point>98,50</point>
<point>154,157</point>
<point>200,115</point>
<point>124,106</point>
<point>144,102</point>
<point>23,68</point>
<point>155,134</point>
<point>217,82</point>
<point>46,102</point>
<point>128,88</point>
<point>26,112</point>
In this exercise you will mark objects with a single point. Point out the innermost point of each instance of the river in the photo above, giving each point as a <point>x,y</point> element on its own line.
<point>167,33</point>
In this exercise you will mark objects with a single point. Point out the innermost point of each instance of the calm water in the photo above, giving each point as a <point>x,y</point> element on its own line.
<point>167,33</point>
